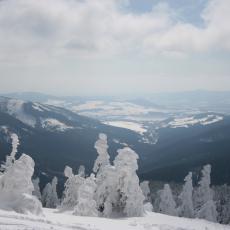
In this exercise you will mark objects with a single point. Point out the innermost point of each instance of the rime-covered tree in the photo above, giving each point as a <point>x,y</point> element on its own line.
<point>103,156</point>
<point>37,191</point>
<point>49,195</point>
<point>105,191</point>
<point>46,195</point>
<point>105,175</point>
<point>167,204</point>
<point>205,207</point>
<point>72,186</point>
<point>11,157</point>
<point>81,171</point>
<point>186,208</point>
<point>146,192</point>
<point>129,192</point>
<point>86,205</point>
<point>222,199</point>
<point>16,185</point>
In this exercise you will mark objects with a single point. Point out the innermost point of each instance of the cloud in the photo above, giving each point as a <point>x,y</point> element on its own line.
<point>32,29</point>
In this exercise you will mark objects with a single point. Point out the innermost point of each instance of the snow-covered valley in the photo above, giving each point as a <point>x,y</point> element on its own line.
<point>52,219</point>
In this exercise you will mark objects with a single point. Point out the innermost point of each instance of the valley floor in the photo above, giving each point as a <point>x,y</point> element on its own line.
<point>63,221</point>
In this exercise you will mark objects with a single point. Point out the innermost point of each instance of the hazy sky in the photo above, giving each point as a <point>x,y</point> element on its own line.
<point>74,47</point>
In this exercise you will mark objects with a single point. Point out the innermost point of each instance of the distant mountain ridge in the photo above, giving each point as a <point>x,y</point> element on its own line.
<point>55,137</point>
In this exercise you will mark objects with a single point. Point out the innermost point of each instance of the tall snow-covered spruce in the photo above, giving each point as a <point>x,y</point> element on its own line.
<point>49,194</point>
<point>16,185</point>
<point>37,191</point>
<point>167,204</point>
<point>205,206</point>
<point>118,191</point>
<point>104,193</point>
<point>146,192</point>
<point>86,205</point>
<point>186,208</point>
<point>129,192</point>
<point>72,185</point>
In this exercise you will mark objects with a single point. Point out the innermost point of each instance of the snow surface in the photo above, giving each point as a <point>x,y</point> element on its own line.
<point>51,123</point>
<point>103,109</point>
<point>39,107</point>
<point>189,121</point>
<point>52,219</point>
<point>136,127</point>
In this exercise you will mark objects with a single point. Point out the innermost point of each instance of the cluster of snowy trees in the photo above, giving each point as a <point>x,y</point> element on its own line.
<point>192,202</point>
<point>112,189</point>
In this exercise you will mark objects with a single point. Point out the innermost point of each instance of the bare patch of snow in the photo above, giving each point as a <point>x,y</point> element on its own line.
<point>37,107</point>
<point>189,121</point>
<point>51,123</point>
<point>88,105</point>
<point>136,127</point>
<point>121,143</point>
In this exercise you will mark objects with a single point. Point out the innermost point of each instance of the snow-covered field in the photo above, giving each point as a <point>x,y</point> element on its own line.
<point>189,121</point>
<point>51,123</point>
<point>62,221</point>
<point>134,126</point>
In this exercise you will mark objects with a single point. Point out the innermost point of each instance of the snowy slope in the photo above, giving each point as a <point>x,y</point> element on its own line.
<point>60,221</point>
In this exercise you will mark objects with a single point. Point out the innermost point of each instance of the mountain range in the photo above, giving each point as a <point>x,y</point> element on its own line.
<point>168,148</point>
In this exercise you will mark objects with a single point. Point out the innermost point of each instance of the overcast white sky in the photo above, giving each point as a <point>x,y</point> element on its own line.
<point>78,47</point>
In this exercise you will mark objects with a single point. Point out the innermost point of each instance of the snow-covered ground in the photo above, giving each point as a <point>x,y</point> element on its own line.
<point>189,121</point>
<point>51,123</point>
<point>63,221</point>
<point>134,126</point>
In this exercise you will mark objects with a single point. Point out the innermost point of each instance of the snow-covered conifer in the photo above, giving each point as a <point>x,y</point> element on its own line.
<point>103,156</point>
<point>49,195</point>
<point>46,195</point>
<point>72,185</point>
<point>167,204</point>
<point>81,171</point>
<point>105,194</point>
<point>222,199</point>
<point>37,191</point>
<point>11,157</point>
<point>146,192</point>
<point>186,208</point>
<point>86,205</point>
<point>205,207</point>
<point>105,176</point>
<point>129,192</point>
<point>16,187</point>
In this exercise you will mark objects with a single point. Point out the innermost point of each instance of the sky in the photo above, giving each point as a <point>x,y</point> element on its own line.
<point>114,47</point>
